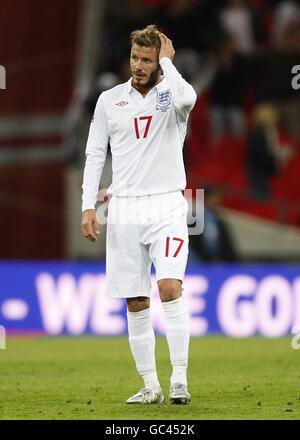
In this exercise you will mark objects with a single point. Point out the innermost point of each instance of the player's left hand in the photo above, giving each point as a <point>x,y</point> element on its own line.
<point>166,49</point>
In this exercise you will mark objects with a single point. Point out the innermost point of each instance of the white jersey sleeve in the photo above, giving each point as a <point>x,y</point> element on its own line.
<point>184,96</point>
<point>96,151</point>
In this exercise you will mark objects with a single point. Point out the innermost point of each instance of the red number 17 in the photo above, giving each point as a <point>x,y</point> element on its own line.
<point>178,248</point>
<point>136,125</point>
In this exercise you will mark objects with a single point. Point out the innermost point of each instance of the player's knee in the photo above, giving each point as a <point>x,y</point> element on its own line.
<point>138,304</point>
<point>169,290</point>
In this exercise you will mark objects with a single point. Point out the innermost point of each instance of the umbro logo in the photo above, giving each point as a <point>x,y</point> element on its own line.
<point>122,103</point>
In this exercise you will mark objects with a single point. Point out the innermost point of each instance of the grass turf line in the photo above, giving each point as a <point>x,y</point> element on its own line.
<point>90,378</point>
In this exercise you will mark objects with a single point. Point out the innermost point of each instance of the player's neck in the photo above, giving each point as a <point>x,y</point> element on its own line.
<point>145,90</point>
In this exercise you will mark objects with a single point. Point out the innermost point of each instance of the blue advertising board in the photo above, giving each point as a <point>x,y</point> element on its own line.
<point>57,298</point>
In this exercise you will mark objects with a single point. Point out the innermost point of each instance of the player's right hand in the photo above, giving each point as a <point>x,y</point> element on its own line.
<point>89,225</point>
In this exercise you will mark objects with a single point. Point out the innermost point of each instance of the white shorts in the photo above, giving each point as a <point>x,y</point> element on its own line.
<point>141,231</point>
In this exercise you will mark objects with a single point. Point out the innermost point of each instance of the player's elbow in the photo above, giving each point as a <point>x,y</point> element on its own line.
<point>191,98</point>
<point>94,157</point>
<point>188,100</point>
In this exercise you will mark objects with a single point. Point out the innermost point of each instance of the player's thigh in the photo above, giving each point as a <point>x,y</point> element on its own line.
<point>169,250</point>
<point>127,262</point>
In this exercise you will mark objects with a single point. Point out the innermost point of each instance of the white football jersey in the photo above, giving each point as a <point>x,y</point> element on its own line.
<point>146,136</point>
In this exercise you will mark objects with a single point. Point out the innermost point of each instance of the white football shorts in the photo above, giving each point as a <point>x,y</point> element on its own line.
<point>141,231</point>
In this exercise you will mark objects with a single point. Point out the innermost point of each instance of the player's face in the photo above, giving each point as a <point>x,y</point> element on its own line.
<point>144,66</point>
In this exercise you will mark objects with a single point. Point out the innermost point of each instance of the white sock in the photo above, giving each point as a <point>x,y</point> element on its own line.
<point>178,336</point>
<point>142,344</point>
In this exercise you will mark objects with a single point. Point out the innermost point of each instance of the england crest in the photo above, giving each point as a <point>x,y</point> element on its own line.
<point>164,100</point>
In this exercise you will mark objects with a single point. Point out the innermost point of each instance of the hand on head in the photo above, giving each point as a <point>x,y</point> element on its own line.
<point>166,49</point>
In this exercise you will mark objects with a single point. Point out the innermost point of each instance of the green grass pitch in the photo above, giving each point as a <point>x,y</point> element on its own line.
<point>90,378</point>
